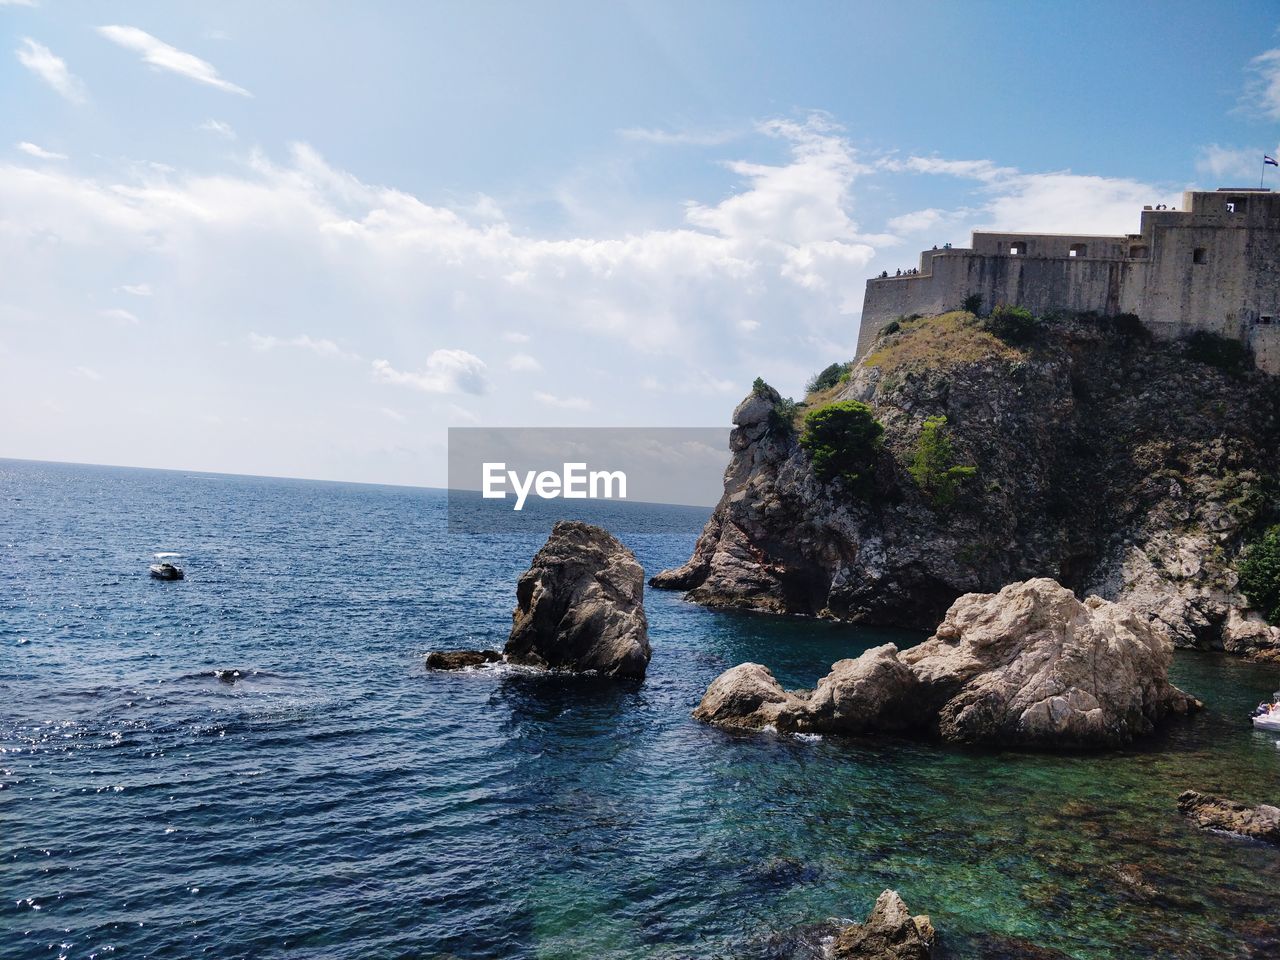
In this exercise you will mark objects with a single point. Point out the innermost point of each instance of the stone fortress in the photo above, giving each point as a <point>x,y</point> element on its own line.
<point>1213,265</point>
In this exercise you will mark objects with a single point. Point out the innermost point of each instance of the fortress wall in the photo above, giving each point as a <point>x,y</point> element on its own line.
<point>1265,342</point>
<point>1176,294</point>
<point>1050,245</point>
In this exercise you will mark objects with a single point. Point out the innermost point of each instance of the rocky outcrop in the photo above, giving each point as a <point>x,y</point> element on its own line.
<point>890,932</point>
<point>1030,666</point>
<point>1120,467</point>
<point>1217,813</point>
<point>579,607</point>
<point>461,659</point>
<point>874,692</point>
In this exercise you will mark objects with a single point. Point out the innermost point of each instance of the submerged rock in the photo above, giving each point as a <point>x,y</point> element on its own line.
<point>580,606</point>
<point>890,932</point>
<point>1218,813</point>
<point>461,659</point>
<point>1030,666</point>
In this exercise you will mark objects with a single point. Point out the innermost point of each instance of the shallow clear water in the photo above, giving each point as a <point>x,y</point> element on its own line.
<point>341,802</point>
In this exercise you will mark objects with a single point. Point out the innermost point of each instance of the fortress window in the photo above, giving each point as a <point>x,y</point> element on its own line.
<point>1201,255</point>
<point>1078,250</point>
<point>1138,252</point>
<point>1266,319</point>
<point>1018,248</point>
<point>1235,206</point>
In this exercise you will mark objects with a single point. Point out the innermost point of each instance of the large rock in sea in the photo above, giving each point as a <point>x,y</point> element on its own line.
<point>1217,813</point>
<point>580,606</point>
<point>890,932</point>
<point>1030,666</point>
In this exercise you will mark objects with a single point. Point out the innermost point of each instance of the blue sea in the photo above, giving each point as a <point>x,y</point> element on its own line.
<point>342,802</point>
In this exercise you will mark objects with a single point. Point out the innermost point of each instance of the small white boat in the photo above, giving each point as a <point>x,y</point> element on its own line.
<point>1268,721</point>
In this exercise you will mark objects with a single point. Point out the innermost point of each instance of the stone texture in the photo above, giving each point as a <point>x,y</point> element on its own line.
<point>580,606</point>
<point>1120,467</point>
<point>1217,813</point>
<point>890,932</point>
<point>873,692</point>
<point>1032,666</point>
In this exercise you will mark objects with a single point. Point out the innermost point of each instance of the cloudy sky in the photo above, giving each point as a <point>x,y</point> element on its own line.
<point>302,239</point>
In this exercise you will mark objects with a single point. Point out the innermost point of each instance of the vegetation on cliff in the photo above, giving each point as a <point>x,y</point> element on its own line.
<point>1260,574</point>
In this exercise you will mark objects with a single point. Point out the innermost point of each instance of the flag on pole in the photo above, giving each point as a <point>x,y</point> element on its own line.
<point>1270,161</point>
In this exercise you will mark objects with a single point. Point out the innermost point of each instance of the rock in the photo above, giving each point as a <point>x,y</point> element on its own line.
<point>230,676</point>
<point>461,659</point>
<point>888,933</point>
<point>1032,666</point>
<point>1217,813</point>
<point>873,692</point>
<point>746,696</point>
<point>580,606</point>
<point>1248,634</point>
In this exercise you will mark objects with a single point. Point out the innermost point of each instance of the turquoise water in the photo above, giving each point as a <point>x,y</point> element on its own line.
<point>341,802</point>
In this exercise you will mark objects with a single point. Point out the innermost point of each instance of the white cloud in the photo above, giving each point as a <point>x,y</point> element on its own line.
<point>218,129</point>
<point>562,403</point>
<point>40,153</point>
<point>985,170</point>
<point>87,373</point>
<point>512,336</point>
<point>394,415</point>
<point>693,138</point>
<point>120,316</point>
<point>50,68</point>
<point>137,289</point>
<point>522,361</point>
<point>918,221</point>
<point>1262,89</point>
<point>17,3</point>
<point>446,371</point>
<point>162,56</point>
<point>802,201</point>
<point>1227,163</point>
<point>320,347</point>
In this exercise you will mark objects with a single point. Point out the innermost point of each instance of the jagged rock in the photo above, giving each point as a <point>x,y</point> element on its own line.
<point>1250,635</point>
<point>461,659</point>
<point>890,932</point>
<point>1217,813</point>
<point>580,606</point>
<point>1123,468</point>
<point>873,692</point>
<point>1032,666</point>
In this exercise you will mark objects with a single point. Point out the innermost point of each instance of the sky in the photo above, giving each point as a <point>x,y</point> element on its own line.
<point>303,239</point>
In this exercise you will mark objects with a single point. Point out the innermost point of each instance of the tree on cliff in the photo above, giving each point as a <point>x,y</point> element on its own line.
<point>842,440</point>
<point>934,468</point>
<point>1260,574</point>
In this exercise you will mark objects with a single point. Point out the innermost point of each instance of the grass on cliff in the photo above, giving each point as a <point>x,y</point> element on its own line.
<point>944,340</point>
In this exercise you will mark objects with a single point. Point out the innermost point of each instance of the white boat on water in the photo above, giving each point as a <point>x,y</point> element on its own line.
<point>1268,721</point>
<point>165,569</point>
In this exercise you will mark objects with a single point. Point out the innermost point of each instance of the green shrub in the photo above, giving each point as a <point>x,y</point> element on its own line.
<point>761,389</point>
<point>1011,324</point>
<point>1260,574</point>
<point>972,304</point>
<point>893,326</point>
<point>843,440</point>
<point>1218,351</point>
<point>933,467</point>
<point>829,377</point>
<point>782,418</point>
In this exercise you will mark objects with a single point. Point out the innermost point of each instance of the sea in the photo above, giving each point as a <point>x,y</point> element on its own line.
<point>340,801</point>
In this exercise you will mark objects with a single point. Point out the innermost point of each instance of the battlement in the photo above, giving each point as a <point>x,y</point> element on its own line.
<point>1212,265</point>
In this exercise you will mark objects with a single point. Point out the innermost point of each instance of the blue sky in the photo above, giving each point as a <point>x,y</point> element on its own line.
<point>303,239</point>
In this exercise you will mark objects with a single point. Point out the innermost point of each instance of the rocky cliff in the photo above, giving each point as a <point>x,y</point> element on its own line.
<point>1119,466</point>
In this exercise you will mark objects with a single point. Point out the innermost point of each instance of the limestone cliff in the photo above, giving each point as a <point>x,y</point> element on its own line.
<point>1119,466</point>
